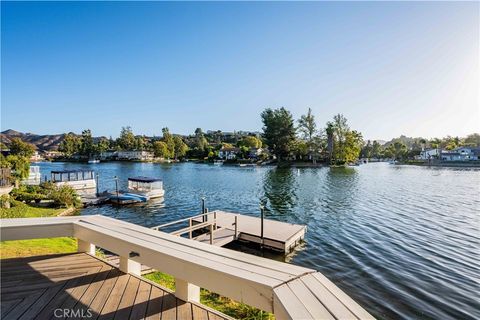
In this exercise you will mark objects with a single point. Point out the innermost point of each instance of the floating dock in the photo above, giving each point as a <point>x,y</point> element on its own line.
<point>224,227</point>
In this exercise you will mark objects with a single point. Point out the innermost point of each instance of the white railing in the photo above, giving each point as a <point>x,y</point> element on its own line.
<point>289,291</point>
<point>207,222</point>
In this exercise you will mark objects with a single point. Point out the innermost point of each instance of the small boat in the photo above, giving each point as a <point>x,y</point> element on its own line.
<point>125,198</point>
<point>91,161</point>
<point>218,162</point>
<point>146,187</point>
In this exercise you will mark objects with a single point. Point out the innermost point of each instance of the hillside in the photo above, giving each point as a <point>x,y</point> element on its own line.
<point>41,142</point>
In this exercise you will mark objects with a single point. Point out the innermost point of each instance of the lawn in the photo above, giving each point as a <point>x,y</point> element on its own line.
<point>225,305</point>
<point>22,210</point>
<point>33,247</point>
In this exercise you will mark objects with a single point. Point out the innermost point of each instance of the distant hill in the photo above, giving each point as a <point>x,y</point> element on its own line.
<point>47,142</point>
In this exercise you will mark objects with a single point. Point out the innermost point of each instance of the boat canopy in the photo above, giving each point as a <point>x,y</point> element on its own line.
<point>72,175</point>
<point>144,183</point>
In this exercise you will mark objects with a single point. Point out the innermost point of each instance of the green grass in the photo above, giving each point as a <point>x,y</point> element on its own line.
<point>36,247</point>
<point>225,305</point>
<point>33,247</point>
<point>22,210</point>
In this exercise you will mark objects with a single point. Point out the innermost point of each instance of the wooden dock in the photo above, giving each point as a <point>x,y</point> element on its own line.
<point>224,227</point>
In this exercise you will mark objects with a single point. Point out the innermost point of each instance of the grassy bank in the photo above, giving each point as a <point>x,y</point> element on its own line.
<point>21,210</point>
<point>225,305</point>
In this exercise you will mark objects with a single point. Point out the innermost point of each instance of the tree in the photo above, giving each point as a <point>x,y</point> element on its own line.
<point>86,143</point>
<point>397,150</point>
<point>353,146</point>
<point>299,148</point>
<point>20,167</point>
<point>180,147</point>
<point>102,145</point>
<point>21,148</point>
<point>127,140</point>
<point>346,143</point>
<point>250,142</point>
<point>140,143</point>
<point>376,150</point>
<point>340,130</point>
<point>168,139</point>
<point>472,140</point>
<point>278,131</point>
<point>308,129</point>
<point>330,130</point>
<point>70,145</point>
<point>160,149</point>
<point>367,150</point>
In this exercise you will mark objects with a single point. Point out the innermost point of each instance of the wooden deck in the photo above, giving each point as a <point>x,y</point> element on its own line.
<point>33,288</point>
<point>277,235</point>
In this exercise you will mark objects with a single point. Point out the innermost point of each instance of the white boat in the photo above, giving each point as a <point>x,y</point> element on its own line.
<point>93,161</point>
<point>146,187</point>
<point>34,176</point>
<point>77,179</point>
<point>218,162</point>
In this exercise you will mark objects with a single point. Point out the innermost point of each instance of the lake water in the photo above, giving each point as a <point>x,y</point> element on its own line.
<point>403,241</point>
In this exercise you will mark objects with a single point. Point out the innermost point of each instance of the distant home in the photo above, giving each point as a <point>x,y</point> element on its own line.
<point>461,154</point>
<point>429,154</point>
<point>254,153</point>
<point>135,155</point>
<point>52,154</point>
<point>228,153</point>
<point>232,153</point>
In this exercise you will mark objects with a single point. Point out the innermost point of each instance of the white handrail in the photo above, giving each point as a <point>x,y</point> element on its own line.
<point>289,291</point>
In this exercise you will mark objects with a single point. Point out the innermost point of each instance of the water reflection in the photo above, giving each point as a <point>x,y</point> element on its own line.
<point>279,194</point>
<point>401,240</point>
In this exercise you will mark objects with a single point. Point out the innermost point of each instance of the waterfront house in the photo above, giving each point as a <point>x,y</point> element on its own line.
<point>135,155</point>
<point>108,155</point>
<point>429,154</point>
<point>52,154</point>
<point>36,157</point>
<point>228,153</point>
<point>461,154</point>
<point>254,153</point>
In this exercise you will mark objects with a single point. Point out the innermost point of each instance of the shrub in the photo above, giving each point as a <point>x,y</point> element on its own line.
<point>17,210</point>
<point>64,196</point>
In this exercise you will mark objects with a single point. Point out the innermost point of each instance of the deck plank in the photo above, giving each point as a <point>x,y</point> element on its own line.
<point>199,313</point>
<point>80,282</point>
<point>128,298</point>
<point>154,308</point>
<point>184,310</point>
<point>139,308</point>
<point>169,307</point>
<point>113,300</point>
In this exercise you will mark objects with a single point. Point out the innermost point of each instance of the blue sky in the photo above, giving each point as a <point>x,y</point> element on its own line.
<point>390,68</point>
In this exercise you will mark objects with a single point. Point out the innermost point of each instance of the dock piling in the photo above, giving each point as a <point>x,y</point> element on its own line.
<point>262,217</point>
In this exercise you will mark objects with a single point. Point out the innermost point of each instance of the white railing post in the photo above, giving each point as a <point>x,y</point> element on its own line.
<point>129,266</point>
<point>186,291</point>
<point>84,246</point>
<point>190,226</point>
